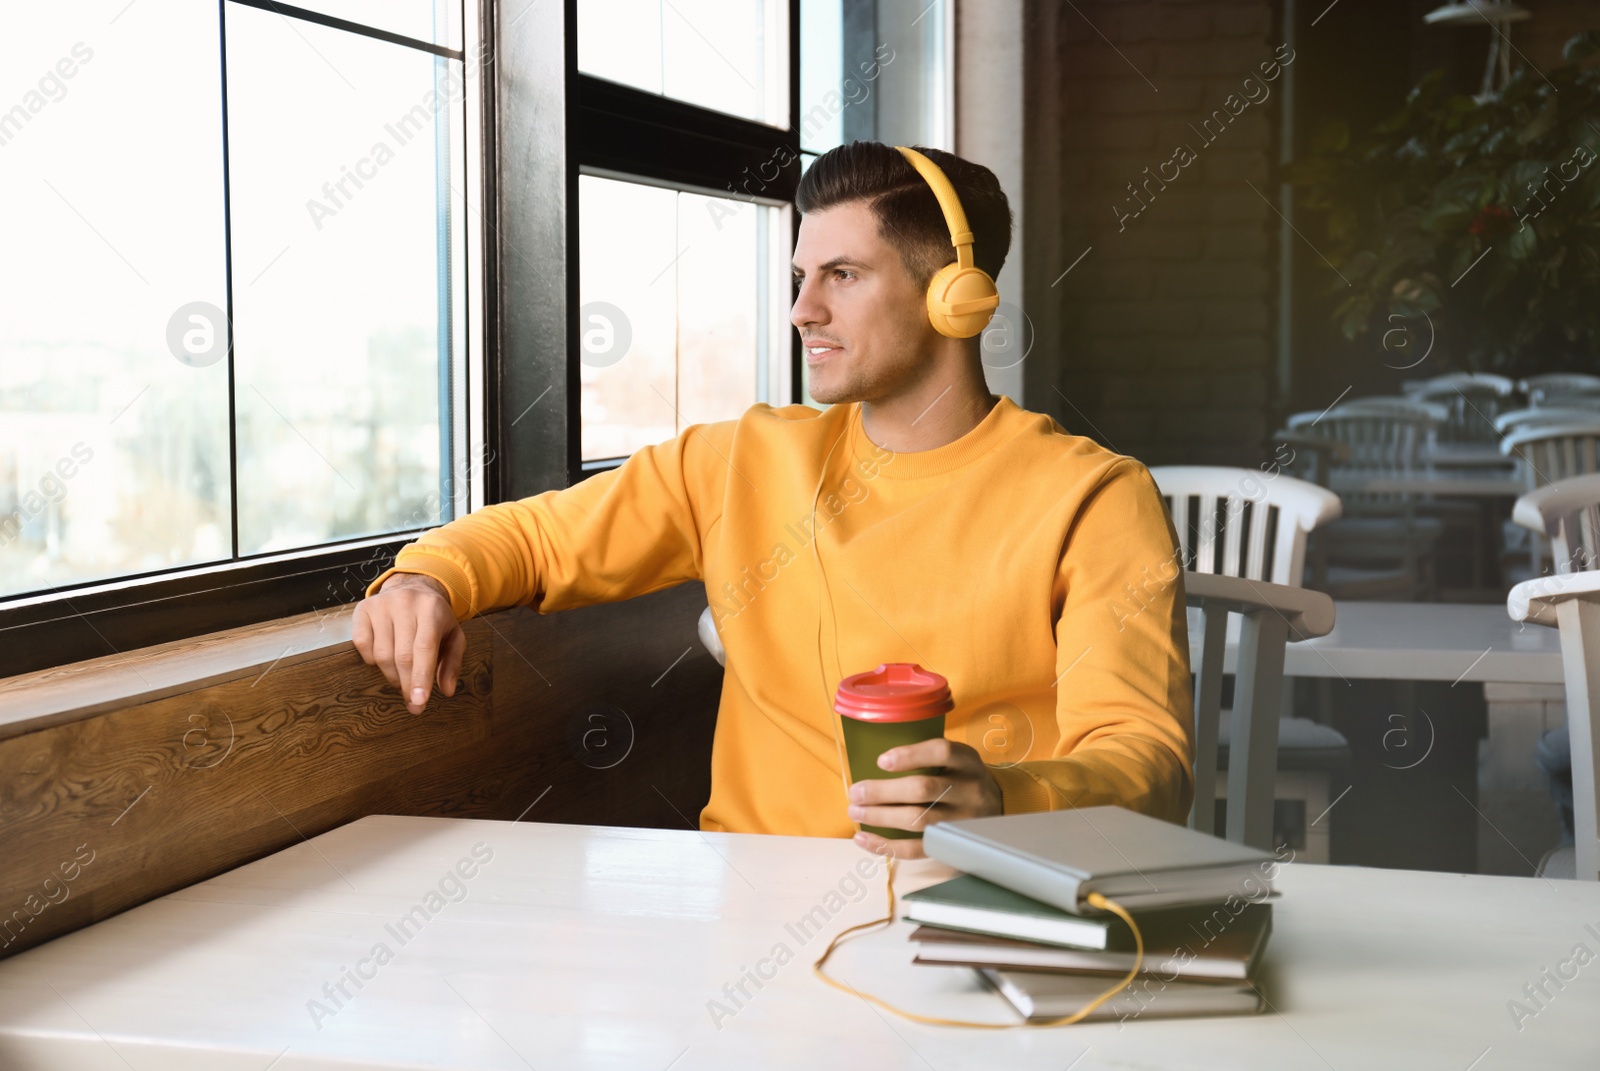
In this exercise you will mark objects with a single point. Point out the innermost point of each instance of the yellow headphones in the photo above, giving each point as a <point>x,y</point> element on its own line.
<point>961,296</point>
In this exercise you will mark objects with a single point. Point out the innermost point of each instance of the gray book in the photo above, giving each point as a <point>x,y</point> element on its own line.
<point>1060,857</point>
<point>1040,996</point>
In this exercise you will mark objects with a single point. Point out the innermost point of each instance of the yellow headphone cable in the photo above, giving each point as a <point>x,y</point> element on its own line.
<point>1094,899</point>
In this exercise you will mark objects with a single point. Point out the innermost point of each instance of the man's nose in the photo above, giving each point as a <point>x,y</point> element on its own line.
<point>807,309</point>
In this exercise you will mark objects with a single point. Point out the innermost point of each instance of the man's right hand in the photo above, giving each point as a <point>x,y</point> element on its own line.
<point>409,631</point>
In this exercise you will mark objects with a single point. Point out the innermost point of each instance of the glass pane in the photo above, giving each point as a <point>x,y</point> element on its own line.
<point>113,441</point>
<point>719,302</point>
<point>730,55</point>
<point>821,74</point>
<point>683,318</point>
<point>621,40</point>
<point>344,255</point>
<point>436,21</point>
<point>874,70</point>
<point>627,238</point>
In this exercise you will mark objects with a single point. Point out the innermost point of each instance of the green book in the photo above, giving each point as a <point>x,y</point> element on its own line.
<point>1218,942</point>
<point>977,906</point>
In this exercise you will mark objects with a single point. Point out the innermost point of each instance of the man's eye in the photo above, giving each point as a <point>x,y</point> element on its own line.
<point>844,272</point>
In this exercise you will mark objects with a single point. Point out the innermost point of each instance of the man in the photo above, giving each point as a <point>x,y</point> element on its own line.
<point>919,519</point>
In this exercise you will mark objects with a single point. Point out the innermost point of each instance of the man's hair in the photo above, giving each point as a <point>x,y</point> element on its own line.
<point>909,217</point>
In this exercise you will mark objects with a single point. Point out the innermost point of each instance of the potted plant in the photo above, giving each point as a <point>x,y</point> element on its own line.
<point>1483,217</point>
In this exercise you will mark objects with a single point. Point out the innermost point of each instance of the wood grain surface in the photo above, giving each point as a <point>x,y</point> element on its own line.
<point>599,715</point>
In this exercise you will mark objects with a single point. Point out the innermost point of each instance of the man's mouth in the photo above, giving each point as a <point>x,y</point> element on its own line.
<point>821,351</point>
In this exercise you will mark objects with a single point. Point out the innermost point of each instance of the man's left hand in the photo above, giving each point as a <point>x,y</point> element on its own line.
<point>960,786</point>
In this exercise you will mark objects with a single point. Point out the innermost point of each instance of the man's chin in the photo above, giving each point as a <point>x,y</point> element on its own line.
<point>828,393</point>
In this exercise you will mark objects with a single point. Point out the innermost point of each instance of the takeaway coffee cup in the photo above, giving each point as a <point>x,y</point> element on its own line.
<point>896,704</point>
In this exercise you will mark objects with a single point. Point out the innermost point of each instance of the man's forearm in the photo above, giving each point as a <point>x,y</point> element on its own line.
<point>1141,775</point>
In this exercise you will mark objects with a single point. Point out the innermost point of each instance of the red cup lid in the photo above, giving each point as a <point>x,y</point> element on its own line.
<point>895,691</point>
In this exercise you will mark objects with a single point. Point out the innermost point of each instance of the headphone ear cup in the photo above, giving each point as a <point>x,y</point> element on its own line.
<point>953,284</point>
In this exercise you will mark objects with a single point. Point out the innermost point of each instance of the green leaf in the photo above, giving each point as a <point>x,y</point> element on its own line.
<point>1543,122</point>
<point>1521,243</point>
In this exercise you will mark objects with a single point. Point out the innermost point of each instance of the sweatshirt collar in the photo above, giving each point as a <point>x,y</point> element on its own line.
<point>1001,423</point>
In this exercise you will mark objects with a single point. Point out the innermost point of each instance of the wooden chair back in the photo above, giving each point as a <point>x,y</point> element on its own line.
<point>1571,411</point>
<point>1551,452</point>
<point>1568,513</point>
<point>1472,401</point>
<point>1242,522</point>
<point>1556,389</point>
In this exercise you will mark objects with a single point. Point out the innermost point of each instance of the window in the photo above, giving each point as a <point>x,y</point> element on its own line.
<point>731,55</point>
<point>347,289</point>
<point>683,315</point>
<point>240,330</point>
<point>322,208</point>
<point>277,308</point>
<point>876,70</point>
<point>684,240</point>
<point>113,453</point>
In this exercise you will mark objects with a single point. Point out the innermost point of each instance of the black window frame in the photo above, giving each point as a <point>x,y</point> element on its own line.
<point>542,120</point>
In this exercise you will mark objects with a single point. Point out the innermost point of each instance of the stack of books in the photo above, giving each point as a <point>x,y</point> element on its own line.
<point>1020,914</point>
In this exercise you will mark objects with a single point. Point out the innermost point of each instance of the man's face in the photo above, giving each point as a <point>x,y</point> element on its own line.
<point>856,298</point>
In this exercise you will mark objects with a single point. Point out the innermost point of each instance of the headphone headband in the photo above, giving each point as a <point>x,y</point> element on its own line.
<point>961,297</point>
<point>955,217</point>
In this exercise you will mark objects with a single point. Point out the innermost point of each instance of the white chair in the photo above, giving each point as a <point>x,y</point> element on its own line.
<point>1240,523</point>
<point>1546,454</point>
<point>1395,403</point>
<point>1567,413</point>
<point>1384,435</point>
<point>1312,457</point>
<point>708,636</point>
<point>1555,388</point>
<point>1551,452</point>
<point>1380,547</point>
<point>1472,400</point>
<point>1457,410</point>
<point>1459,381</point>
<point>1569,513</point>
<point>1271,614</point>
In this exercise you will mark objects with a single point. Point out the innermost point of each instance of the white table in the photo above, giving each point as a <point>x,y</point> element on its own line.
<point>1452,483</point>
<point>600,948</point>
<point>1469,455</point>
<point>1423,641</point>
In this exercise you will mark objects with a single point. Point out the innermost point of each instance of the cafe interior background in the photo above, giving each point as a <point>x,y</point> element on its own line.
<point>338,275</point>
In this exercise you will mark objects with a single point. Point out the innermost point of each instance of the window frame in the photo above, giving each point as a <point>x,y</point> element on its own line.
<point>538,115</point>
<point>90,619</point>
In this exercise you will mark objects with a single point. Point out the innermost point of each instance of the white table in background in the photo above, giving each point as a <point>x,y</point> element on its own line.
<point>1452,483</point>
<point>590,947</point>
<point>1469,455</point>
<point>1423,641</point>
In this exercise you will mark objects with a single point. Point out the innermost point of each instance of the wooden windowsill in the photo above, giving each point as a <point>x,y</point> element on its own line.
<point>33,701</point>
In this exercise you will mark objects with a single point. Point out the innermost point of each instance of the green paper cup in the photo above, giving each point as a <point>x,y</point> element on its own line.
<point>896,704</point>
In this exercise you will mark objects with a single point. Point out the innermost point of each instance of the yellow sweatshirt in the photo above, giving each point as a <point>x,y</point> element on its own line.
<point>1034,569</point>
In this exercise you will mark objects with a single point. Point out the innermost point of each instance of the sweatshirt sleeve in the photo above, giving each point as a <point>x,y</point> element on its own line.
<point>623,532</point>
<point>1124,707</point>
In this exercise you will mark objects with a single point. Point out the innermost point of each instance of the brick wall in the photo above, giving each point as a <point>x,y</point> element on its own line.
<point>1159,342</point>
